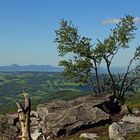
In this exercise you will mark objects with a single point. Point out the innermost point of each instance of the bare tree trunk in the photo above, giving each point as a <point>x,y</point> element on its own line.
<point>111,76</point>
<point>24,117</point>
<point>97,78</point>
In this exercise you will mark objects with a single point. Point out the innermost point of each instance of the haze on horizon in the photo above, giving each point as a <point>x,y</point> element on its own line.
<point>27,27</point>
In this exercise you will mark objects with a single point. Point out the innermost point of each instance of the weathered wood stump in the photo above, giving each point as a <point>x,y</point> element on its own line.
<point>24,117</point>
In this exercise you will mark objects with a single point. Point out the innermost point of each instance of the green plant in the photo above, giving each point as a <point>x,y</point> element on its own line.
<point>85,58</point>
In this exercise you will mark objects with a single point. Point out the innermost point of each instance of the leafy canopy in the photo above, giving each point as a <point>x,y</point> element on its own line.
<point>85,58</point>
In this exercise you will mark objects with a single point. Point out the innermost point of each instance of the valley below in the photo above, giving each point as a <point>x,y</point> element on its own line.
<point>67,107</point>
<point>41,86</point>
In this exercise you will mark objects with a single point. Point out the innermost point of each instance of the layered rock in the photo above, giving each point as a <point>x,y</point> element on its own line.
<point>67,117</point>
<point>60,118</point>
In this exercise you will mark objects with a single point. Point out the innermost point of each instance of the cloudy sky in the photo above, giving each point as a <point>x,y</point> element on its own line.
<point>27,26</point>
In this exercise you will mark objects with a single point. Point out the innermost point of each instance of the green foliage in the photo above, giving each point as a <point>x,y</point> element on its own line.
<point>120,36</point>
<point>69,42</point>
<point>86,58</point>
<point>133,100</point>
<point>119,39</point>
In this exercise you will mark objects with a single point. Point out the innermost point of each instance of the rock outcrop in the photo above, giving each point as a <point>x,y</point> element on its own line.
<point>60,118</point>
<point>116,131</point>
<point>131,119</point>
<point>9,127</point>
<point>119,130</point>
<point>67,117</point>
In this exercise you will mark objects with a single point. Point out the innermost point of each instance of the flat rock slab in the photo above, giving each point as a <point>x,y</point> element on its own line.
<point>67,117</point>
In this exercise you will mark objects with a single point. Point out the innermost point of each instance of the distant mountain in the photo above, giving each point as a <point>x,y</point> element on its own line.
<point>33,68</point>
<point>114,70</point>
<point>49,68</point>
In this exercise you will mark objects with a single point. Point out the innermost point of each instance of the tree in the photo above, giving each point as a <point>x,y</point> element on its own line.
<point>86,58</point>
<point>84,62</point>
<point>119,39</point>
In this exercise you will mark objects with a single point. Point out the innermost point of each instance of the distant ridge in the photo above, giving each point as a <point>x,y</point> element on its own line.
<point>32,68</point>
<point>49,68</point>
<point>114,70</point>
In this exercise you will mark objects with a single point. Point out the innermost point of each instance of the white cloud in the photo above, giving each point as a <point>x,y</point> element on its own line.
<point>137,20</point>
<point>110,21</point>
<point>115,21</point>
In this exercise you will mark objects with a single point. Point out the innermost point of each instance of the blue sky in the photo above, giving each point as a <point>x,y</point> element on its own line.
<point>27,26</point>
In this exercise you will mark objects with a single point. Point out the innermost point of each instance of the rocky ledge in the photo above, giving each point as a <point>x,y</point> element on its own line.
<point>62,118</point>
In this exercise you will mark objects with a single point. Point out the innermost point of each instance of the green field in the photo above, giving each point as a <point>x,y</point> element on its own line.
<point>42,87</point>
